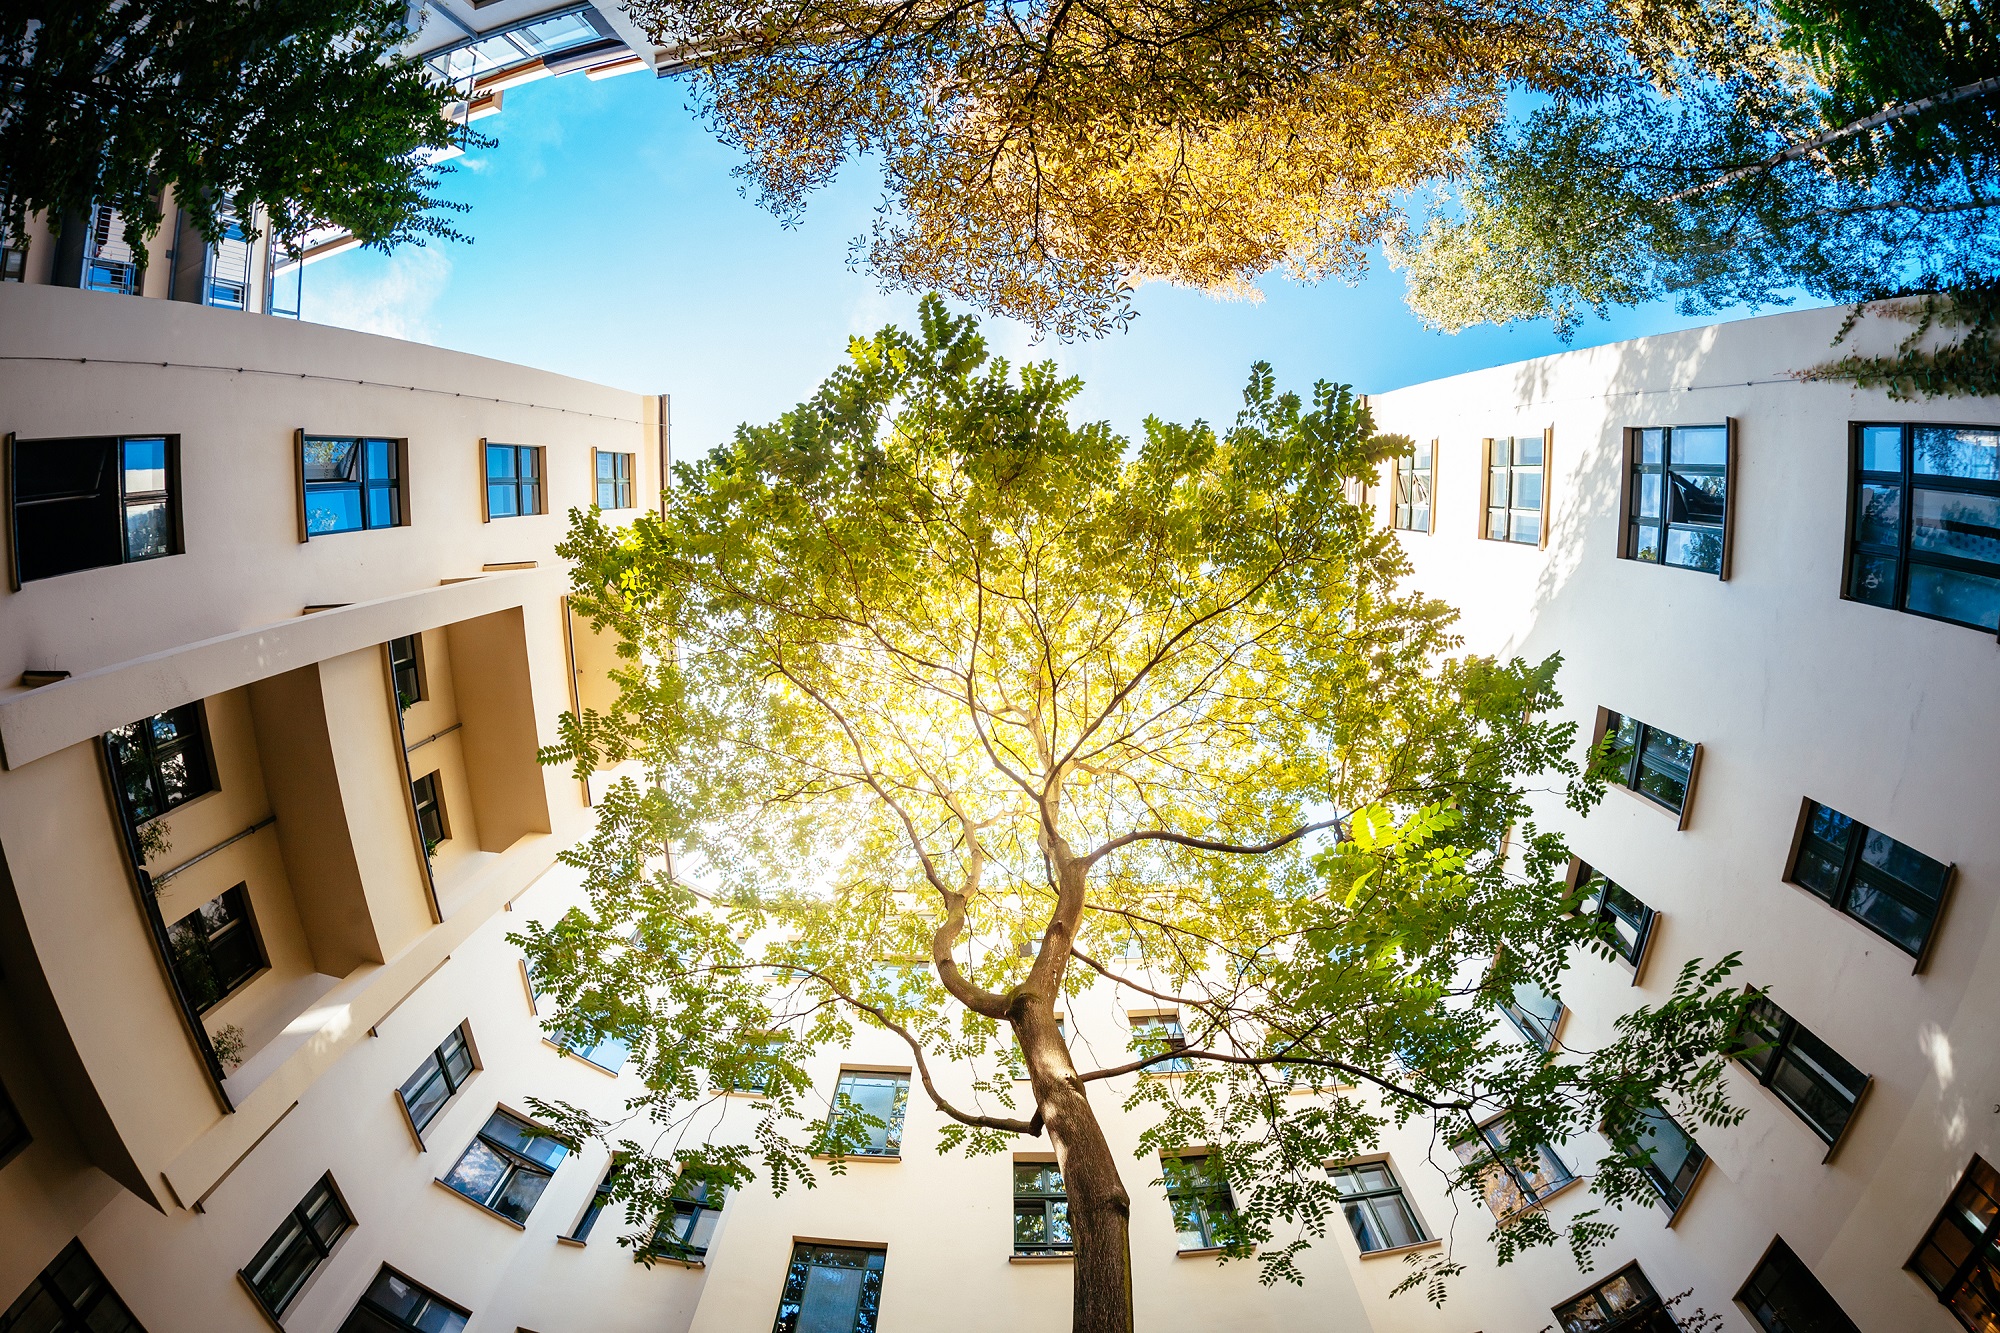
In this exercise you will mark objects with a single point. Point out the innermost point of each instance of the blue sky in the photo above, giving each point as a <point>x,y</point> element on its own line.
<point>611,243</point>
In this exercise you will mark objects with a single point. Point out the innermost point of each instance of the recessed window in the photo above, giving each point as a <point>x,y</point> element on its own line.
<point>1625,1302</point>
<point>607,1052</point>
<point>14,263</point>
<point>1958,1259</point>
<point>614,480</point>
<point>686,1228</point>
<point>1535,1012</point>
<point>1807,1075</point>
<point>1517,502</point>
<point>1677,510</point>
<point>513,480</point>
<point>867,1116</point>
<point>406,662</point>
<point>1892,889</point>
<point>1783,1296</point>
<point>352,483</point>
<point>13,1129</point>
<point>442,1073</point>
<point>428,793</point>
<point>215,947</point>
<point>93,501</point>
<point>1656,764</point>
<point>297,1248</point>
<point>831,1289</point>
<point>1629,922</point>
<point>750,1071</point>
<point>1924,521</point>
<point>599,1200</point>
<point>507,1166</point>
<point>1668,1157</point>
<point>160,762</point>
<point>1156,1034</point>
<point>1511,1178</point>
<point>70,1296</point>
<point>1413,490</point>
<point>1379,1215</point>
<point>1203,1207</point>
<point>394,1304</point>
<point>110,264</point>
<point>1041,1210</point>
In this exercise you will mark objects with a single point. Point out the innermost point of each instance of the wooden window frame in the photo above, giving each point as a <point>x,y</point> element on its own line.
<point>1486,491</point>
<point>1396,504</point>
<point>437,803</point>
<point>630,480</point>
<point>486,480</point>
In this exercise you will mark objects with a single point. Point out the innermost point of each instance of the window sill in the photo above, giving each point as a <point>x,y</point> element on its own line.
<point>675,1261</point>
<point>859,1157</point>
<point>1203,1253</point>
<point>564,1050</point>
<point>1649,802</point>
<point>1041,1258</point>
<point>571,1240</point>
<point>1401,1249</point>
<point>474,1203</point>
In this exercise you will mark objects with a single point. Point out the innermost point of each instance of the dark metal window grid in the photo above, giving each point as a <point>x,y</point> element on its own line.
<point>1625,1302</point>
<point>513,480</point>
<point>1654,763</point>
<point>406,664</point>
<point>1516,489</point>
<point>302,1242</point>
<point>1847,865</point>
<point>685,1229</point>
<point>614,480</point>
<point>1377,1211</point>
<point>1200,1201</point>
<point>1515,1178</point>
<point>90,502</point>
<point>877,1096</point>
<point>853,1286</point>
<point>216,948</point>
<point>1041,1210</point>
<point>427,792</point>
<point>161,762</point>
<point>507,1166</point>
<point>69,1296</point>
<point>1687,526</point>
<point>1882,551</point>
<point>1630,921</point>
<point>394,1304</point>
<point>1957,1257</point>
<point>1808,1076</point>
<point>1783,1296</point>
<point>1669,1157</point>
<point>441,1075</point>
<point>353,483</point>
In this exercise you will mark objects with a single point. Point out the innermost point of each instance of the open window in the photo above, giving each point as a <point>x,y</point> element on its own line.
<point>90,501</point>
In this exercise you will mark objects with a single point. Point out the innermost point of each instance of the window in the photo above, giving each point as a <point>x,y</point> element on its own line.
<point>1783,1296</point>
<point>614,481</point>
<point>1413,490</point>
<point>427,792</point>
<point>160,762</point>
<point>1535,1012</point>
<point>1511,1179</point>
<point>301,1242</point>
<point>13,263</point>
<point>1041,1210</point>
<point>599,1200</point>
<point>686,1228</point>
<point>1668,1157</point>
<point>1957,1258</point>
<point>513,480</point>
<point>406,662</point>
<point>831,1289</point>
<point>1821,1088</point>
<point>607,1052</point>
<point>749,1071</point>
<point>1623,1303</point>
<point>541,37</point>
<point>1516,500</point>
<point>215,948</point>
<point>1199,1195</point>
<point>394,1304</point>
<point>93,501</point>
<point>1892,889</point>
<point>351,483</point>
<point>1924,522</point>
<point>507,1167</point>
<point>226,267</point>
<point>1630,921</point>
<point>1155,1034</point>
<point>1677,511</point>
<point>1657,765</point>
<point>867,1117</point>
<point>69,1296</point>
<point>13,1130</point>
<point>442,1073</point>
<point>109,264</point>
<point>1373,1199</point>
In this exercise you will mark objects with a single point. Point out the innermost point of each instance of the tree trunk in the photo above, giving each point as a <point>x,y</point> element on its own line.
<point>1100,1211</point>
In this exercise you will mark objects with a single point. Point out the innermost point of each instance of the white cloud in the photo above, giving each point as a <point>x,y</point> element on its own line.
<point>389,294</point>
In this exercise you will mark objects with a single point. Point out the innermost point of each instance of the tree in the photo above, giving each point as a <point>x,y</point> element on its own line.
<point>925,671</point>
<point>299,107</point>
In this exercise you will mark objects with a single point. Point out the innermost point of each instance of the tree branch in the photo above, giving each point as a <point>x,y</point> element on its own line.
<point>1209,844</point>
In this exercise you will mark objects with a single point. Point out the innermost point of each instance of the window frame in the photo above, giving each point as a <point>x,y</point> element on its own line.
<point>514,479</point>
<point>1905,478</point>
<point>1528,1023</point>
<point>1495,1157</point>
<point>893,1127</point>
<point>1843,892</point>
<point>1580,876</point>
<point>1170,1032</point>
<point>600,1198</point>
<point>1632,441</point>
<point>195,741</point>
<point>1201,1192</point>
<point>433,783</point>
<point>1789,1029</point>
<point>1654,1174</point>
<point>398,485</point>
<point>680,1249</point>
<point>868,1301</point>
<point>76,1318</point>
<point>10,446</point>
<point>1047,1200</point>
<point>1648,1308</point>
<point>1367,1198</point>
<point>419,675</point>
<point>1486,506</point>
<point>514,1162</point>
<point>1983,1246</point>
<point>322,1248</point>
<point>1607,721</point>
<point>1782,1253</point>
<point>629,482</point>
<point>245,922</point>
<point>436,1063</point>
<point>382,1313</point>
<point>1403,490</point>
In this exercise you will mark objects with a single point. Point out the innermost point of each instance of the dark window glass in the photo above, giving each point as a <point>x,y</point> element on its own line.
<point>831,1289</point>
<point>599,1200</point>
<point>13,1130</point>
<point>1627,921</point>
<point>352,483</point>
<point>1514,481</point>
<point>1679,475</point>
<point>394,1304</point>
<point>1926,519</point>
<point>867,1116</point>
<point>1535,1012</point>
<point>298,1246</point>
<point>86,503</point>
<point>614,481</point>
<point>1624,1302</point>
<point>1157,1034</point>
<point>507,1167</point>
<point>688,1225</point>
<point>1041,1209</point>
<point>161,762</point>
<point>69,1296</point>
<point>1202,1204</point>
<point>1821,1088</point>
<point>1892,889</point>
<point>442,1073</point>
<point>1783,1296</point>
<point>1958,1258</point>
<point>1654,763</point>
<point>13,263</point>
<point>406,661</point>
<point>215,947</point>
<point>429,796</point>
<point>1669,1157</point>
<point>1373,1200</point>
<point>513,480</point>
<point>1413,490</point>
<point>1511,1179</point>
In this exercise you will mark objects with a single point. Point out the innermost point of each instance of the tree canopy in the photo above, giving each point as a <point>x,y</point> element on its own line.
<point>947,708</point>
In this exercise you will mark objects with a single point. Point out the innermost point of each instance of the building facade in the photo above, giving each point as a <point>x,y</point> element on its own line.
<point>286,627</point>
